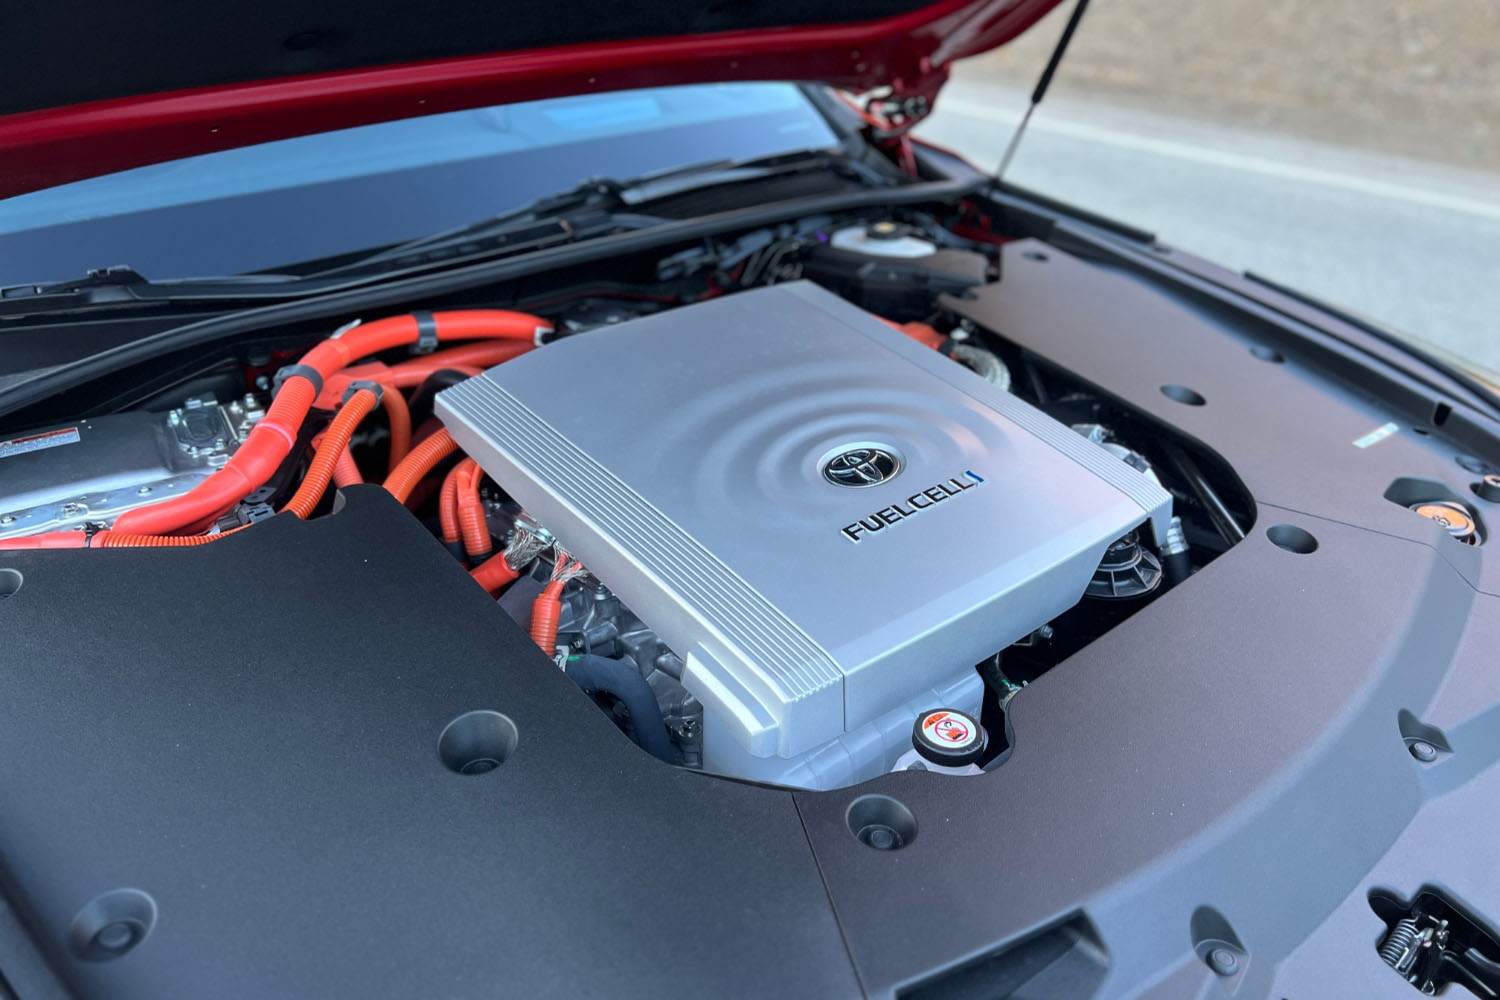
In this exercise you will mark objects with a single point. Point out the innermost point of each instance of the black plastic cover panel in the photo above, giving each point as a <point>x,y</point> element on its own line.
<point>248,733</point>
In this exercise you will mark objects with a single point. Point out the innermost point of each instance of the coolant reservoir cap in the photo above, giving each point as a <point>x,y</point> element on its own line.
<point>1452,516</point>
<point>948,737</point>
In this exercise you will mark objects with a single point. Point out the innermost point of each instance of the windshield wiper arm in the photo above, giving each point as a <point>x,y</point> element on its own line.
<point>602,204</point>
<point>596,207</point>
<point>120,284</point>
<point>125,286</point>
<point>715,173</point>
<point>590,209</point>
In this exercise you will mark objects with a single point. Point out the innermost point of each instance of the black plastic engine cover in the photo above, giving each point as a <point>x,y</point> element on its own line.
<point>247,733</point>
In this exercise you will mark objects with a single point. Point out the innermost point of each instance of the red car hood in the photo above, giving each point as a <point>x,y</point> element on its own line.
<point>103,87</point>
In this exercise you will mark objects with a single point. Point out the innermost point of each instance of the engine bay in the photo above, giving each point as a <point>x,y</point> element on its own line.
<point>787,571</point>
<point>768,523</point>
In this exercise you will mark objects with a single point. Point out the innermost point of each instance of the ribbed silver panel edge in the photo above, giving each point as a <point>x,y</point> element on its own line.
<point>788,656</point>
<point>1148,495</point>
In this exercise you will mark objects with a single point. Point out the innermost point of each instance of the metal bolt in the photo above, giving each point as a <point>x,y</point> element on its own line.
<point>958,334</point>
<point>116,936</point>
<point>144,491</point>
<point>1045,632</point>
<point>8,519</point>
<point>1223,961</point>
<point>73,509</point>
<point>1423,751</point>
<point>262,382</point>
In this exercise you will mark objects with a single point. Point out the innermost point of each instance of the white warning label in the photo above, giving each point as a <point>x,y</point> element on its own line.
<point>37,442</point>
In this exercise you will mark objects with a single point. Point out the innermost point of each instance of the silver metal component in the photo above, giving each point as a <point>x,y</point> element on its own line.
<point>1100,435</point>
<point>1223,961</point>
<point>1176,541</point>
<point>1423,751</point>
<point>1094,432</point>
<point>1399,947</point>
<point>981,362</point>
<point>684,467</point>
<point>101,468</point>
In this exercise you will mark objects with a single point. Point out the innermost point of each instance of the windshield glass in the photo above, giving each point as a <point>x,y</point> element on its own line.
<point>300,199</point>
<point>1347,150</point>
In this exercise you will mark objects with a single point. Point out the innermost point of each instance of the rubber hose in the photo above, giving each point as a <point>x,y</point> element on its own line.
<point>1178,566</point>
<point>448,504</point>
<point>418,462</point>
<point>252,463</point>
<point>346,471</point>
<point>422,397</point>
<point>399,416</point>
<point>335,441</point>
<point>272,438</point>
<point>483,354</point>
<point>624,682</point>
<point>544,615</point>
<point>128,540</point>
<point>472,524</point>
<point>494,574</point>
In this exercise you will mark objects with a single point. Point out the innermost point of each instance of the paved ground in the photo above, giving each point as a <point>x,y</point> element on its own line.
<point>1410,242</point>
<point>1413,77</point>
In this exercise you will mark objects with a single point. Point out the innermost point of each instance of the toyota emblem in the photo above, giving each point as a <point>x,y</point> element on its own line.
<point>862,466</point>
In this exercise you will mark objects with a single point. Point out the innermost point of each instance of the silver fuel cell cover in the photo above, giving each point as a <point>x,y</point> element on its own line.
<point>823,517</point>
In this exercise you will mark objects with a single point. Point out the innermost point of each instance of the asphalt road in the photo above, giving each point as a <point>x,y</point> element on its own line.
<point>1411,244</point>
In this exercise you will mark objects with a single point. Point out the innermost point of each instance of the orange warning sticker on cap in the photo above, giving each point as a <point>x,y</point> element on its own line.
<point>948,729</point>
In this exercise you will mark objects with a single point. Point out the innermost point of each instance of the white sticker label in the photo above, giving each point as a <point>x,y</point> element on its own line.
<point>1376,436</point>
<point>37,442</point>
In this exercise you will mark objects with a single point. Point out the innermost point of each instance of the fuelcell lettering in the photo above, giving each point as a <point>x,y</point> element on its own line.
<point>911,506</point>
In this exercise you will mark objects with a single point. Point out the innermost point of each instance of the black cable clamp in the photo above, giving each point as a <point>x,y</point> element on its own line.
<point>427,338</point>
<point>291,371</point>
<point>366,385</point>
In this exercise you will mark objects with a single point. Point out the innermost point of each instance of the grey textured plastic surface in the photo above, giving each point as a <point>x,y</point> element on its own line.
<point>680,457</point>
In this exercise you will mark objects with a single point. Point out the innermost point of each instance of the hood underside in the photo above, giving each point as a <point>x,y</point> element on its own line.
<point>85,92</point>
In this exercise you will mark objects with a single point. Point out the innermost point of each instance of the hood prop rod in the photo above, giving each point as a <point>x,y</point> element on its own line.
<point>1040,90</point>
